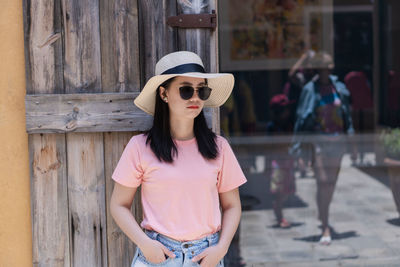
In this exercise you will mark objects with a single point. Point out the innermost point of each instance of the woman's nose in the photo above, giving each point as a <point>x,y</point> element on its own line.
<point>195,95</point>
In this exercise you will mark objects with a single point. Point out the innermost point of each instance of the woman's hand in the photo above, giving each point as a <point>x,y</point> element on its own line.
<point>211,256</point>
<point>155,252</point>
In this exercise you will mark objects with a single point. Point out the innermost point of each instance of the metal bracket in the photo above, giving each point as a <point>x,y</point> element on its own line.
<point>194,20</point>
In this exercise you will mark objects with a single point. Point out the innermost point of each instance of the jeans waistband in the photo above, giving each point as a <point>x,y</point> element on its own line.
<point>205,241</point>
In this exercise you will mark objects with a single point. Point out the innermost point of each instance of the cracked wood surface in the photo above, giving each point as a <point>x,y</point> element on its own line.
<point>91,48</point>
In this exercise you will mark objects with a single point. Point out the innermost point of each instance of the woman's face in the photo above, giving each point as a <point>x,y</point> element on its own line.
<point>324,74</point>
<point>178,107</point>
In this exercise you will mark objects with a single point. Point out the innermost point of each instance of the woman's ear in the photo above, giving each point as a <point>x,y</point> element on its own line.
<point>163,94</point>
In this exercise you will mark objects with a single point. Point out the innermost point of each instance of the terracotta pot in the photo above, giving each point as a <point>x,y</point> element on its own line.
<point>394,175</point>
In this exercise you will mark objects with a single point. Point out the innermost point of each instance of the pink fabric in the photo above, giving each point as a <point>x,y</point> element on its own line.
<point>180,200</point>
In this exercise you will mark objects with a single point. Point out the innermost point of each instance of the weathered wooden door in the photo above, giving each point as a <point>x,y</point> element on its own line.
<point>86,61</point>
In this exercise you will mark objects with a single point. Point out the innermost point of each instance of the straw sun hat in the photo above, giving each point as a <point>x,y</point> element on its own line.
<point>322,60</point>
<point>188,64</point>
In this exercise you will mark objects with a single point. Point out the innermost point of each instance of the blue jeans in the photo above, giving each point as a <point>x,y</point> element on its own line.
<point>184,251</point>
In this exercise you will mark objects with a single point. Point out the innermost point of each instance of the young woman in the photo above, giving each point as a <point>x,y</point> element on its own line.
<point>187,172</point>
<point>324,109</point>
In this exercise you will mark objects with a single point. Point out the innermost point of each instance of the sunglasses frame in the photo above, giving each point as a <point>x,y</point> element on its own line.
<point>193,90</point>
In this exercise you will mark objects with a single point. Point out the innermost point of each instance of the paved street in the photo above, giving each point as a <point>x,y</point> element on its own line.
<point>363,215</point>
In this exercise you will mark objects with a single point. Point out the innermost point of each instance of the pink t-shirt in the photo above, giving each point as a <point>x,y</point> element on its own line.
<point>180,200</point>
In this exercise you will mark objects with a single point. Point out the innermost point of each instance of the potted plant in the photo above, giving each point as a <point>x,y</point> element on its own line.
<point>391,145</point>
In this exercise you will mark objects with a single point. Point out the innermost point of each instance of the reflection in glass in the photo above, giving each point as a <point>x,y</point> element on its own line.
<point>317,90</point>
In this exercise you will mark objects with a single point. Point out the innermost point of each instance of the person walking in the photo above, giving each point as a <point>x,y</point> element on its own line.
<point>324,109</point>
<point>187,173</point>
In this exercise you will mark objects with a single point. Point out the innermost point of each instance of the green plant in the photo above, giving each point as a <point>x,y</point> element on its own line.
<point>391,143</point>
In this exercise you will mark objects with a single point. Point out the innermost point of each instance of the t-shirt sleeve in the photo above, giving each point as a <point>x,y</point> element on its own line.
<point>128,171</point>
<point>230,175</point>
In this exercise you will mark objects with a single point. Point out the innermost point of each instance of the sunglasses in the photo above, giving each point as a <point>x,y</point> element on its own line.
<point>187,92</point>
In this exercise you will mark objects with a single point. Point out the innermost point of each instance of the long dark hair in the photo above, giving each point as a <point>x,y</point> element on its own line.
<point>159,136</point>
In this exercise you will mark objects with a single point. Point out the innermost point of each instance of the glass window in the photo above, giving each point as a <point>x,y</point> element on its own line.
<point>314,120</point>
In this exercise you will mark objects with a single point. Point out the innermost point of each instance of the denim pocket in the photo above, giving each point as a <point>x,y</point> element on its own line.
<point>143,259</point>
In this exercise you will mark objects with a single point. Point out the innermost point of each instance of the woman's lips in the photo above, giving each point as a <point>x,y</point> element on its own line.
<point>193,107</point>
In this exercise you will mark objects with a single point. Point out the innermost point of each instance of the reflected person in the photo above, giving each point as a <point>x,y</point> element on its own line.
<point>324,109</point>
<point>299,75</point>
<point>282,165</point>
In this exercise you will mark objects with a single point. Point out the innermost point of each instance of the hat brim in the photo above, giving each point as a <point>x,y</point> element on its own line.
<point>220,83</point>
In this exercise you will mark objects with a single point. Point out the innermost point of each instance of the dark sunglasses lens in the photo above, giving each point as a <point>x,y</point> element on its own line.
<point>204,92</point>
<point>186,92</point>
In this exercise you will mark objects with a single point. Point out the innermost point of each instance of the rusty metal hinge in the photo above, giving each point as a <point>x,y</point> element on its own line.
<point>194,20</point>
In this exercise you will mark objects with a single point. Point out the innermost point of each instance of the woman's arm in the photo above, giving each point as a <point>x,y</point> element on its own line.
<point>231,212</point>
<point>298,64</point>
<point>120,204</point>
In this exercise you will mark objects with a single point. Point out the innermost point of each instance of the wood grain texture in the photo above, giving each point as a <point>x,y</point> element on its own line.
<point>43,42</point>
<point>49,200</point>
<point>195,40</point>
<point>214,65</point>
<point>86,198</point>
<point>120,248</point>
<point>120,73</point>
<point>82,64</point>
<point>156,38</point>
<point>79,55</point>
<point>119,46</point>
<point>47,160</point>
<point>86,181</point>
<point>102,112</point>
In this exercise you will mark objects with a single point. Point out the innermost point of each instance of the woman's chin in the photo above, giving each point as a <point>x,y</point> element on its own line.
<point>191,114</point>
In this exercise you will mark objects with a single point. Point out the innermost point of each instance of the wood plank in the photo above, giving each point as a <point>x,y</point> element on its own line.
<point>119,46</point>
<point>195,40</point>
<point>120,248</point>
<point>47,158</point>
<point>43,47</point>
<point>86,197</point>
<point>156,37</point>
<point>214,67</point>
<point>86,192</point>
<point>120,73</point>
<point>82,65</point>
<point>49,200</point>
<point>84,113</point>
